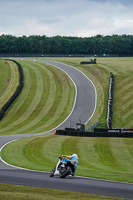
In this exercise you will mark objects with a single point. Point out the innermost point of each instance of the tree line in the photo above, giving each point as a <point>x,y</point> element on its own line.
<point>118,45</point>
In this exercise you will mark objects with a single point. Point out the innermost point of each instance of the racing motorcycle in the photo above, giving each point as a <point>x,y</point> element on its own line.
<point>62,169</point>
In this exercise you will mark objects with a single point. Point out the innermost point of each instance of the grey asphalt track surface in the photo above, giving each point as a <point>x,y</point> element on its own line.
<point>86,95</point>
<point>83,109</point>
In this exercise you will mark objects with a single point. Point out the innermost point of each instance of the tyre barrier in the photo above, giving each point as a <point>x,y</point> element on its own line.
<point>122,133</point>
<point>17,92</point>
<point>92,61</point>
<point>110,101</point>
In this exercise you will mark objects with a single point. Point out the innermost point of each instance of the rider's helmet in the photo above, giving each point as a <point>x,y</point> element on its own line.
<point>75,155</point>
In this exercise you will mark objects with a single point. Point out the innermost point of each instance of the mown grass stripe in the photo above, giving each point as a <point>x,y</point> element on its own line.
<point>17,109</point>
<point>36,155</point>
<point>123,102</point>
<point>53,147</point>
<point>5,74</point>
<point>90,157</point>
<point>13,84</point>
<point>128,116</point>
<point>121,154</point>
<point>126,90</point>
<point>129,105</point>
<point>128,100</point>
<point>70,145</point>
<point>129,123</point>
<point>27,103</point>
<point>45,102</point>
<point>44,105</point>
<point>35,97</point>
<point>105,153</point>
<point>19,106</point>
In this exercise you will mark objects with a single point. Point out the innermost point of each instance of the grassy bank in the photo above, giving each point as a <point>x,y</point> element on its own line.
<point>9,81</point>
<point>105,158</point>
<point>5,73</point>
<point>28,193</point>
<point>45,101</point>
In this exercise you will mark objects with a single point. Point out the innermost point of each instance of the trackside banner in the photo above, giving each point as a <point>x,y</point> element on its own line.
<point>115,130</point>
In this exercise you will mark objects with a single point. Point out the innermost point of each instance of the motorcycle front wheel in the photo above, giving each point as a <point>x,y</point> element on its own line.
<point>66,172</point>
<point>52,172</point>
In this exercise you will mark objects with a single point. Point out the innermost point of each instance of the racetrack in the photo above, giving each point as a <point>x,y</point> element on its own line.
<point>79,184</point>
<point>83,109</point>
<point>86,95</point>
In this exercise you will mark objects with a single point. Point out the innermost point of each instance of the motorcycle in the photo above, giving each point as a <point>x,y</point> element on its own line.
<point>62,169</point>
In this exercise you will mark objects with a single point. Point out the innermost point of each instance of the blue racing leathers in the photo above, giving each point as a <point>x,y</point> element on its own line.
<point>74,162</point>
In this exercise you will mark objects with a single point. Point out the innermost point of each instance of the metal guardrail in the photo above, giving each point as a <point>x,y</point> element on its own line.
<point>93,126</point>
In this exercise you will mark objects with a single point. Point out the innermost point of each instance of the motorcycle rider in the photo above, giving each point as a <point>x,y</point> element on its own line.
<point>73,159</point>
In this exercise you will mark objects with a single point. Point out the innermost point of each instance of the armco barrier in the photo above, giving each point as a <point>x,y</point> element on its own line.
<point>17,92</point>
<point>98,133</point>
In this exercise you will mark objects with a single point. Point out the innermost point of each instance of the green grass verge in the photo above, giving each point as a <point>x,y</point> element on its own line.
<point>9,81</point>
<point>105,158</point>
<point>4,75</point>
<point>45,101</point>
<point>11,192</point>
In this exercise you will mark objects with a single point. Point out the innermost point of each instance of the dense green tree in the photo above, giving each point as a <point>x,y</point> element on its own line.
<point>120,45</point>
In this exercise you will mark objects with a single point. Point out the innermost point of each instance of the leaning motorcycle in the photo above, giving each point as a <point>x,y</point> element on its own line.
<point>62,168</point>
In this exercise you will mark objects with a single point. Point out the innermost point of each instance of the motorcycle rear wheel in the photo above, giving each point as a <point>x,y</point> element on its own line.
<point>66,173</point>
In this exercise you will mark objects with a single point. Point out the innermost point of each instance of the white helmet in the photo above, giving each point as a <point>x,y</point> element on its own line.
<point>75,155</point>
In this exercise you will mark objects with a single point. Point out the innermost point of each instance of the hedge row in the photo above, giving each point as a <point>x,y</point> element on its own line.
<point>17,92</point>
